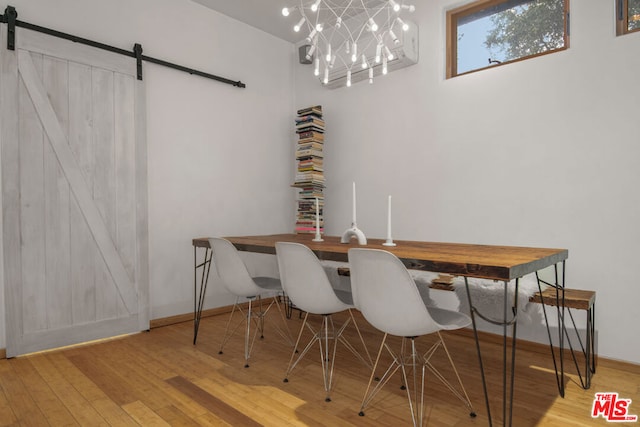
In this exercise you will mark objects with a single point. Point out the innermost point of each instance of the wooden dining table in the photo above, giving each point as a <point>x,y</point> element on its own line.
<point>503,264</point>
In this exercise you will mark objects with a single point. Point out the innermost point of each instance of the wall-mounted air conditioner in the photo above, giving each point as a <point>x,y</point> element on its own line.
<point>404,50</point>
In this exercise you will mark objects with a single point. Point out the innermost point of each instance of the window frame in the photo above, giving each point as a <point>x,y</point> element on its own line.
<point>622,18</point>
<point>452,17</point>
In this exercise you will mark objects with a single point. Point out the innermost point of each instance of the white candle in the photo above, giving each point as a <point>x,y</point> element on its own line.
<point>354,203</point>
<point>389,241</point>
<point>389,219</point>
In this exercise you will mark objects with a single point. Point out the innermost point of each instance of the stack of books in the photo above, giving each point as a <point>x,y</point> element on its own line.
<point>310,173</point>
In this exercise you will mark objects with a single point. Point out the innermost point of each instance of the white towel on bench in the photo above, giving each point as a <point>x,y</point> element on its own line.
<point>487,296</point>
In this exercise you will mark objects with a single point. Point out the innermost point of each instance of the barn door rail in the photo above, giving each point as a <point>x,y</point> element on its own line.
<point>10,18</point>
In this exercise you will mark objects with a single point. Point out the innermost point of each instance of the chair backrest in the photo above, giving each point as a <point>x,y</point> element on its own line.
<point>387,296</point>
<point>305,281</point>
<point>231,268</point>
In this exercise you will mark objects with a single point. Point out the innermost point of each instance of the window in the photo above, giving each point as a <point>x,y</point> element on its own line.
<point>488,33</point>
<point>628,16</point>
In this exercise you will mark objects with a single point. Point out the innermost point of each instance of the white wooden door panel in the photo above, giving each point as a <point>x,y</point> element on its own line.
<point>57,194</point>
<point>75,161</point>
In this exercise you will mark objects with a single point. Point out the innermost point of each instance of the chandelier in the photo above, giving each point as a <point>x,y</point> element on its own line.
<point>352,36</point>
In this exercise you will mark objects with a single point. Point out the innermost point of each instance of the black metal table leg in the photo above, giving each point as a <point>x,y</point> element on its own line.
<point>198,297</point>
<point>508,375</point>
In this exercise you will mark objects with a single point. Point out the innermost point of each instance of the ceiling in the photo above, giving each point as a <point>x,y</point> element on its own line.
<point>265,15</point>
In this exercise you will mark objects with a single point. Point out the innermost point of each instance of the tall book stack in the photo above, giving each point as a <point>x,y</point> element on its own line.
<point>310,173</point>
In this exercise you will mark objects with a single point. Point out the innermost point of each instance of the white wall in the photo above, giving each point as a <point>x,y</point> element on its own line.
<point>218,156</point>
<point>543,153</point>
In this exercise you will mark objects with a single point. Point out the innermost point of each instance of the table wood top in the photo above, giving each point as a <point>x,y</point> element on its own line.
<point>483,261</point>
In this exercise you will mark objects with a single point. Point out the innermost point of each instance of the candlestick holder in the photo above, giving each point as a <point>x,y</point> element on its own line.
<point>353,232</point>
<point>389,242</point>
<point>318,237</point>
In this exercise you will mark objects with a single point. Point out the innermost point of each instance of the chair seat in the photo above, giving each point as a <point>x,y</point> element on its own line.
<point>268,283</point>
<point>344,296</point>
<point>449,319</point>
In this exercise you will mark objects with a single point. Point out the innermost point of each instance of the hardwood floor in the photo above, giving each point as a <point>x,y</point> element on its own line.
<point>160,378</point>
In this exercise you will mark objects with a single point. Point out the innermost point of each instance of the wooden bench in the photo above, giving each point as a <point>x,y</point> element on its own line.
<point>580,300</point>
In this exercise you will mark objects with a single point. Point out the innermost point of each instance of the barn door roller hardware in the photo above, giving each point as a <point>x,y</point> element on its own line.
<point>10,18</point>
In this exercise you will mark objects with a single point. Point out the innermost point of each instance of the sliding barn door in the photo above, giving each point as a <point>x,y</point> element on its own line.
<point>74,193</point>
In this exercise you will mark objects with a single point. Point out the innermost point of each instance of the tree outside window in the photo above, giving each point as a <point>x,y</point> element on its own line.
<point>628,16</point>
<point>487,33</point>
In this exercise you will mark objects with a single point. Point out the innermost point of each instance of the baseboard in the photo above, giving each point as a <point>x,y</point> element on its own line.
<point>188,317</point>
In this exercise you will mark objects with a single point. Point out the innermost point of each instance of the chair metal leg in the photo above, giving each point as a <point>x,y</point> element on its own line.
<point>284,332</point>
<point>370,393</point>
<point>327,338</point>
<point>227,332</point>
<point>463,396</point>
<point>324,336</point>
<point>368,362</point>
<point>414,369</point>
<point>247,349</point>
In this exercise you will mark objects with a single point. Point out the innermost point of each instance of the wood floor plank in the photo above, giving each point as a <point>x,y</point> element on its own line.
<point>74,401</point>
<point>45,398</point>
<point>212,402</point>
<point>7,416</point>
<point>23,406</point>
<point>144,415</point>
<point>112,413</point>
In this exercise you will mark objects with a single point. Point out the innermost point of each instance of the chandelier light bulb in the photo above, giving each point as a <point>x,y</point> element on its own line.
<point>314,7</point>
<point>346,46</point>
<point>411,8</point>
<point>333,61</point>
<point>378,53</point>
<point>297,27</point>
<point>338,22</point>
<point>404,25</point>
<point>388,53</point>
<point>393,37</point>
<point>354,56</point>
<point>328,56</point>
<point>310,52</point>
<point>311,34</point>
<point>349,78</point>
<point>319,27</point>
<point>285,11</point>
<point>325,80</point>
<point>364,62</point>
<point>316,70</point>
<point>384,65</point>
<point>370,75</point>
<point>394,5</point>
<point>373,25</point>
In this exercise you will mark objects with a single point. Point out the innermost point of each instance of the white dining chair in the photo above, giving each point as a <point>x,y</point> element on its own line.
<point>307,285</point>
<point>236,279</point>
<point>389,300</point>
